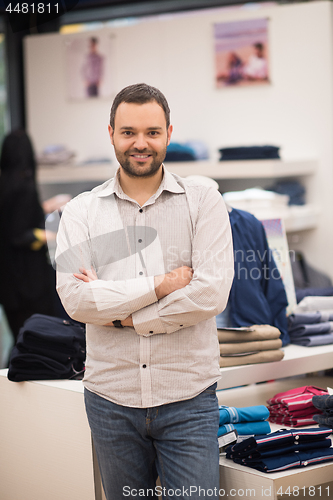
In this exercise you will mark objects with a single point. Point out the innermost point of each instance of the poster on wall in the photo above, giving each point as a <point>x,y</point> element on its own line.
<point>89,68</point>
<point>241,53</point>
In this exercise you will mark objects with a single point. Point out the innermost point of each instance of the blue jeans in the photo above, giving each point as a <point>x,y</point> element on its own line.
<point>176,441</point>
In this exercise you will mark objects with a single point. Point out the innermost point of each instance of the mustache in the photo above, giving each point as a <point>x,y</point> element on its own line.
<point>144,151</point>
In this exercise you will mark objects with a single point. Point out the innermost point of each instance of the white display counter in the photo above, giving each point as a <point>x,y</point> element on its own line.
<point>46,447</point>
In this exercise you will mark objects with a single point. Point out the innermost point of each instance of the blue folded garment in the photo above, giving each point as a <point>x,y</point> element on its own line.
<point>307,330</point>
<point>291,460</point>
<point>232,415</point>
<point>246,429</point>
<point>308,318</point>
<point>313,340</point>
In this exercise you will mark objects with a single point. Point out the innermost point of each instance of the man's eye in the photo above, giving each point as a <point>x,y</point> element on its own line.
<point>153,133</point>
<point>127,132</point>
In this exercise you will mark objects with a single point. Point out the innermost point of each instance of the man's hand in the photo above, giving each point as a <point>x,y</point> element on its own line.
<point>170,282</point>
<point>87,275</point>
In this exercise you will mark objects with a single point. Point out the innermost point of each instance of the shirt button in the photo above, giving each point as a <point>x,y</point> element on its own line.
<point>144,366</point>
<point>151,331</point>
<point>140,272</point>
<point>305,463</point>
<point>141,210</point>
<point>181,325</point>
<point>140,240</point>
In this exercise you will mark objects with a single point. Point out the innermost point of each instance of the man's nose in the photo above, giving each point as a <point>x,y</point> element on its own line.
<point>140,141</point>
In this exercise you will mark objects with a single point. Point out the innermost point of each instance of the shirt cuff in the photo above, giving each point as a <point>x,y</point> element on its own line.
<point>147,322</point>
<point>127,297</point>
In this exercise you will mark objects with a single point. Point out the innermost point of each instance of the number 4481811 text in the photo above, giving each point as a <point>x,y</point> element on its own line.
<point>32,8</point>
<point>311,491</point>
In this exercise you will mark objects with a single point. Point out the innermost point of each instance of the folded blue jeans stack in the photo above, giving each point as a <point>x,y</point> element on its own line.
<point>325,404</point>
<point>247,421</point>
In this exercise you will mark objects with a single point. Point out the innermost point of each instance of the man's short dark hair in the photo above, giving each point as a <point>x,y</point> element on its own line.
<point>140,93</point>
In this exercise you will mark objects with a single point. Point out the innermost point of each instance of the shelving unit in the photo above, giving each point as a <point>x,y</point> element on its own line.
<point>296,218</point>
<point>249,169</point>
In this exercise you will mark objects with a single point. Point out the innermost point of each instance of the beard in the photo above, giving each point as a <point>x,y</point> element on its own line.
<point>133,168</point>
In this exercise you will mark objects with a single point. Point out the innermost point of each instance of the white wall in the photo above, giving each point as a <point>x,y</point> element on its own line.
<point>176,55</point>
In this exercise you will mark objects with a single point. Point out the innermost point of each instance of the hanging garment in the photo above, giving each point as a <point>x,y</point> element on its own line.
<point>257,296</point>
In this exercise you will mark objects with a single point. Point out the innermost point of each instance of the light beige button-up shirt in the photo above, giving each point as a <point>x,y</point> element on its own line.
<point>172,353</point>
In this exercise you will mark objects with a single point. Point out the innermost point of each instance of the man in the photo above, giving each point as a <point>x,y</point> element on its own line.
<point>92,70</point>
<point>146,261</point>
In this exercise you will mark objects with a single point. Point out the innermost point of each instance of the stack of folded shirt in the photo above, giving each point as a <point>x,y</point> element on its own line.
<point>325,406</point>
<point>311,328</point>
<point>294,407</point>
<point>283,449</point>
<point>247,345</point>
<point>247,421</point>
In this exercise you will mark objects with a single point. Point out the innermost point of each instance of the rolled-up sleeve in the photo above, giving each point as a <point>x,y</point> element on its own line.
<point>212,261</point>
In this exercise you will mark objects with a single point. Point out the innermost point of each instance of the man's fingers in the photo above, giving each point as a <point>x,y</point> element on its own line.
<point>82,277</point>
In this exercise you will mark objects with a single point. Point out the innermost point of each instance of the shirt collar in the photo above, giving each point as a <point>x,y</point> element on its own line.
<point>169,183</point>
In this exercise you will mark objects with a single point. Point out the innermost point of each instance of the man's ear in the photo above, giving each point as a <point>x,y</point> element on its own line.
<point>110,129</point>
<point>169,132</point>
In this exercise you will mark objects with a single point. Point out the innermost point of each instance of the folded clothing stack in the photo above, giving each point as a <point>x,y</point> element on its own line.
<point>48,348</point>
<point>187,151</point>
<point>247,421</point>
<point>283,449</point>
<point>249,153</point>
<point>324,404</point>
<point>294,407</point>
<point>311,328</point>
<point>248,345</point>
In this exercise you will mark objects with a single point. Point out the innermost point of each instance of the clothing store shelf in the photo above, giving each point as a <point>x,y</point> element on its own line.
<point>297,360</point>
<point>249,169</point>
<point>235,477</point>
<point>71,172</point>
<point>295,217</point>
<point>244,169</point>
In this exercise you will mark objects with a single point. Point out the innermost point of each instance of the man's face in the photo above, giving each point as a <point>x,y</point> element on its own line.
<point>140,138</point>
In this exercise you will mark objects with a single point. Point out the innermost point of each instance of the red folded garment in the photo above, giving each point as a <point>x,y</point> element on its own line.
<point>297,399</point>
<point>279,410</point>
<point>291,422</point>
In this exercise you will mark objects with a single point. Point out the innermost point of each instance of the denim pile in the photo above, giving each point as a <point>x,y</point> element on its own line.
<point>284,449</point>
<point>294,407</point>
<point>248,345</point>
<point>247,421</point>
<point>311,328</point>
<point>325,406</point>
